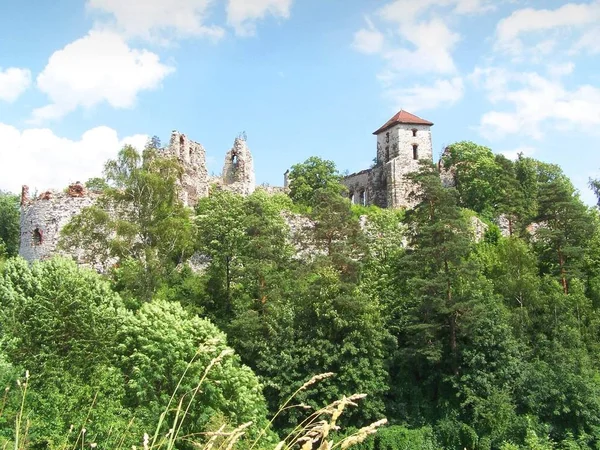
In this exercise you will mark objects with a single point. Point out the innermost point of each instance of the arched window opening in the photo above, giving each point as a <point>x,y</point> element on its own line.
<point>351,197</point>
<point>181,141</point>
<point>37,237</point>
<point>414,131</point>
<point>363,197</point>
<point>415,151</point>
<point>234,160</point>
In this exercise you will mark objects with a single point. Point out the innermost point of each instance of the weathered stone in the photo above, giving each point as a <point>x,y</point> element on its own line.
<point>45,195</point>
<point>24,194</point>
<point>76,190</point>
<point>42,220</point>
<point>238,170</point>
<point>400,147</point>
<point>192,157</point>
<point>478,228</point>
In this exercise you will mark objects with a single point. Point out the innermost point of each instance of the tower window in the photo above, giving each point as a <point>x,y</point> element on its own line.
<point>181,141</point>
<point>234,160</point>
<point>387,153</point>
<point>415,151</point>
<point>37,237</point>
<point>414,130</point>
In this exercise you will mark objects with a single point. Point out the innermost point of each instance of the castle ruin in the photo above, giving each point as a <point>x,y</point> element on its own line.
<point>402,142</point>
<point>43,217</point>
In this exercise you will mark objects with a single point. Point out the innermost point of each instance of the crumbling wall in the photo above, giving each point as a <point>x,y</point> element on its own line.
<point>43,218</point>
<point>358,185</point>
<point>238,170</point>
<point>192,157</point>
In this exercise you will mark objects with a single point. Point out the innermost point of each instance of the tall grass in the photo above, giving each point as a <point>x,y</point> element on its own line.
<point>315,432</point>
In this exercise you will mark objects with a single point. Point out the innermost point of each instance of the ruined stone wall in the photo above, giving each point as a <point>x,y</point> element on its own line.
<point>359,191</point>
<point>399,150</point>
<point>43,218</point>
<point>192,156</point>
<point>238,169</point>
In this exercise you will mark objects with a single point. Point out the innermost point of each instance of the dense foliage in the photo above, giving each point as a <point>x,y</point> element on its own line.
<point>9,224</point>
<point>462,343</point>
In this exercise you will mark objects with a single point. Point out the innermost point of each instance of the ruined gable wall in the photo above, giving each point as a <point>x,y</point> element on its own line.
<point>191,155</point>
<point>238,169</point>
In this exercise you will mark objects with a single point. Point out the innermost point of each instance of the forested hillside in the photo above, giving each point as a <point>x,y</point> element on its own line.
<point>460,343</point>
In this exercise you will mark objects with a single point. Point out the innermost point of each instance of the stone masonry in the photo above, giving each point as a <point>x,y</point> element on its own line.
<point>402,142</point>
<point>192,157</point>
<point>238,169</point>
<point>43,217</point>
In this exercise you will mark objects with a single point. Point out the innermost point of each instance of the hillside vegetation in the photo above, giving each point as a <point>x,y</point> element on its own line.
<point>459,343</point>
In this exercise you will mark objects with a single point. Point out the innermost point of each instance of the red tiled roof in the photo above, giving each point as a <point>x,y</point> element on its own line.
<point>403,117</point>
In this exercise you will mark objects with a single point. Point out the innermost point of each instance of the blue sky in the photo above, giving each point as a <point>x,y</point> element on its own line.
<point>78,79</point>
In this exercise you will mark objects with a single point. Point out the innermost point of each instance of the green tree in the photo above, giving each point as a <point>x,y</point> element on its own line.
<point>161,342</point>
<point>595,186</point>
<point>60,323</point>
<point>138,225</point>
<point>565,228</point>
<point>246,243</point>
<point>312,175</point>
<point>10,230</point>
<point>476,175</point>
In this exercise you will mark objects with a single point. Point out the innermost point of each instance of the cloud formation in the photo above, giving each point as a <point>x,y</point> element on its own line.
<point>426,97</point>
<point>159,20</point>
<point>532,102</point>
<point>414,38</point>
<point>13,82</point>
<point>98,68</point>
<point>242,15</point>
<point>531,30</point>
<point>41,159</point>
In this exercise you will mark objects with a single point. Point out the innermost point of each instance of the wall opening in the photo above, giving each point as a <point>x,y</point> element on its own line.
<point>363,198</point>
<point>37,237</point>
<point>415,151</point>
<point>414,131</point>
<point>181,141</point>
<point>351,197</point>
<point>234,160</point>
<point>387,153</point>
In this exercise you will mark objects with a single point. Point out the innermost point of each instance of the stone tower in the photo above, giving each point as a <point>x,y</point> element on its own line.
<point>238,170</point>
<point>401,142</point>
<point>192,156</point>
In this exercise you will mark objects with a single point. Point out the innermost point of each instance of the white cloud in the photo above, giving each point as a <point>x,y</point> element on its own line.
<point>42,160</point>
<point>589,42</point>
<point>419,97</point>
<point>368,40</point>
<point>415,38</point>
<point>97,68</point>
<point>433,43</point>
<point>514,154</point>
<point>530,22</point>
<point>534,101</point>
<point>560,70</point>
<point>13,82</point>
<point>243,14</point>
<point>159,19</point>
